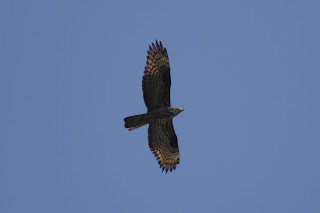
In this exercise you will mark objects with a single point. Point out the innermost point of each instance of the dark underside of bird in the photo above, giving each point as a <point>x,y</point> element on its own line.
<point>156,84</point>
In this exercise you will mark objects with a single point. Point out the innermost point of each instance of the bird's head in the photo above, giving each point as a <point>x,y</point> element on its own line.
<point>176,111</point>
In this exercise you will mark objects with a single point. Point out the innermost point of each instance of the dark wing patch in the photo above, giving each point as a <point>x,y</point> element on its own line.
<point>156,81</point>
<point>163,143</point>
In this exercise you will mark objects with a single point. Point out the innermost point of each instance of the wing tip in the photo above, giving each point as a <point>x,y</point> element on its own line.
<point>167,167</point>
<point>156,45</point>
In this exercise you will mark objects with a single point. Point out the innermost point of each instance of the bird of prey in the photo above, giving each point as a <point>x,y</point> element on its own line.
<point>156,84</point>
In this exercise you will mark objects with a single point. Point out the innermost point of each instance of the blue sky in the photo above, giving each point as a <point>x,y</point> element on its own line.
<point>246,72</point>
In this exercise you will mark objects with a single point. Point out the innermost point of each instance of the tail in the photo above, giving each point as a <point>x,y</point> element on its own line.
<point>135,121</point>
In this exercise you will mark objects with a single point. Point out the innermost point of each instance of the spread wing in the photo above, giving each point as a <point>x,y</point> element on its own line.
<point>156,81</point>
<point>163,143</point>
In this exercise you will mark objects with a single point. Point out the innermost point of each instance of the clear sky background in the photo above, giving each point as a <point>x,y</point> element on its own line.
<point>246,72</point>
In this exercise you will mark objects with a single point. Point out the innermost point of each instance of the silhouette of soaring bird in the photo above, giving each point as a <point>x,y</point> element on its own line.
<point>156,84</point>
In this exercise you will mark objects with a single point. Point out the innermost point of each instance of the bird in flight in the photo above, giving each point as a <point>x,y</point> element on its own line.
<point>156,84</point>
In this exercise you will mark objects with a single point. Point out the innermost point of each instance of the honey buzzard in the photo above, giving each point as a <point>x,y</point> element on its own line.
<point>156,84</point>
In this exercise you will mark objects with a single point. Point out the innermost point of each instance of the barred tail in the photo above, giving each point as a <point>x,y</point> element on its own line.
<point>135,121</point>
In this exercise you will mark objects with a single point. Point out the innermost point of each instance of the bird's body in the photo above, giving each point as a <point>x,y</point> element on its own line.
<point>136,121</point>
<point>156,85</point>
